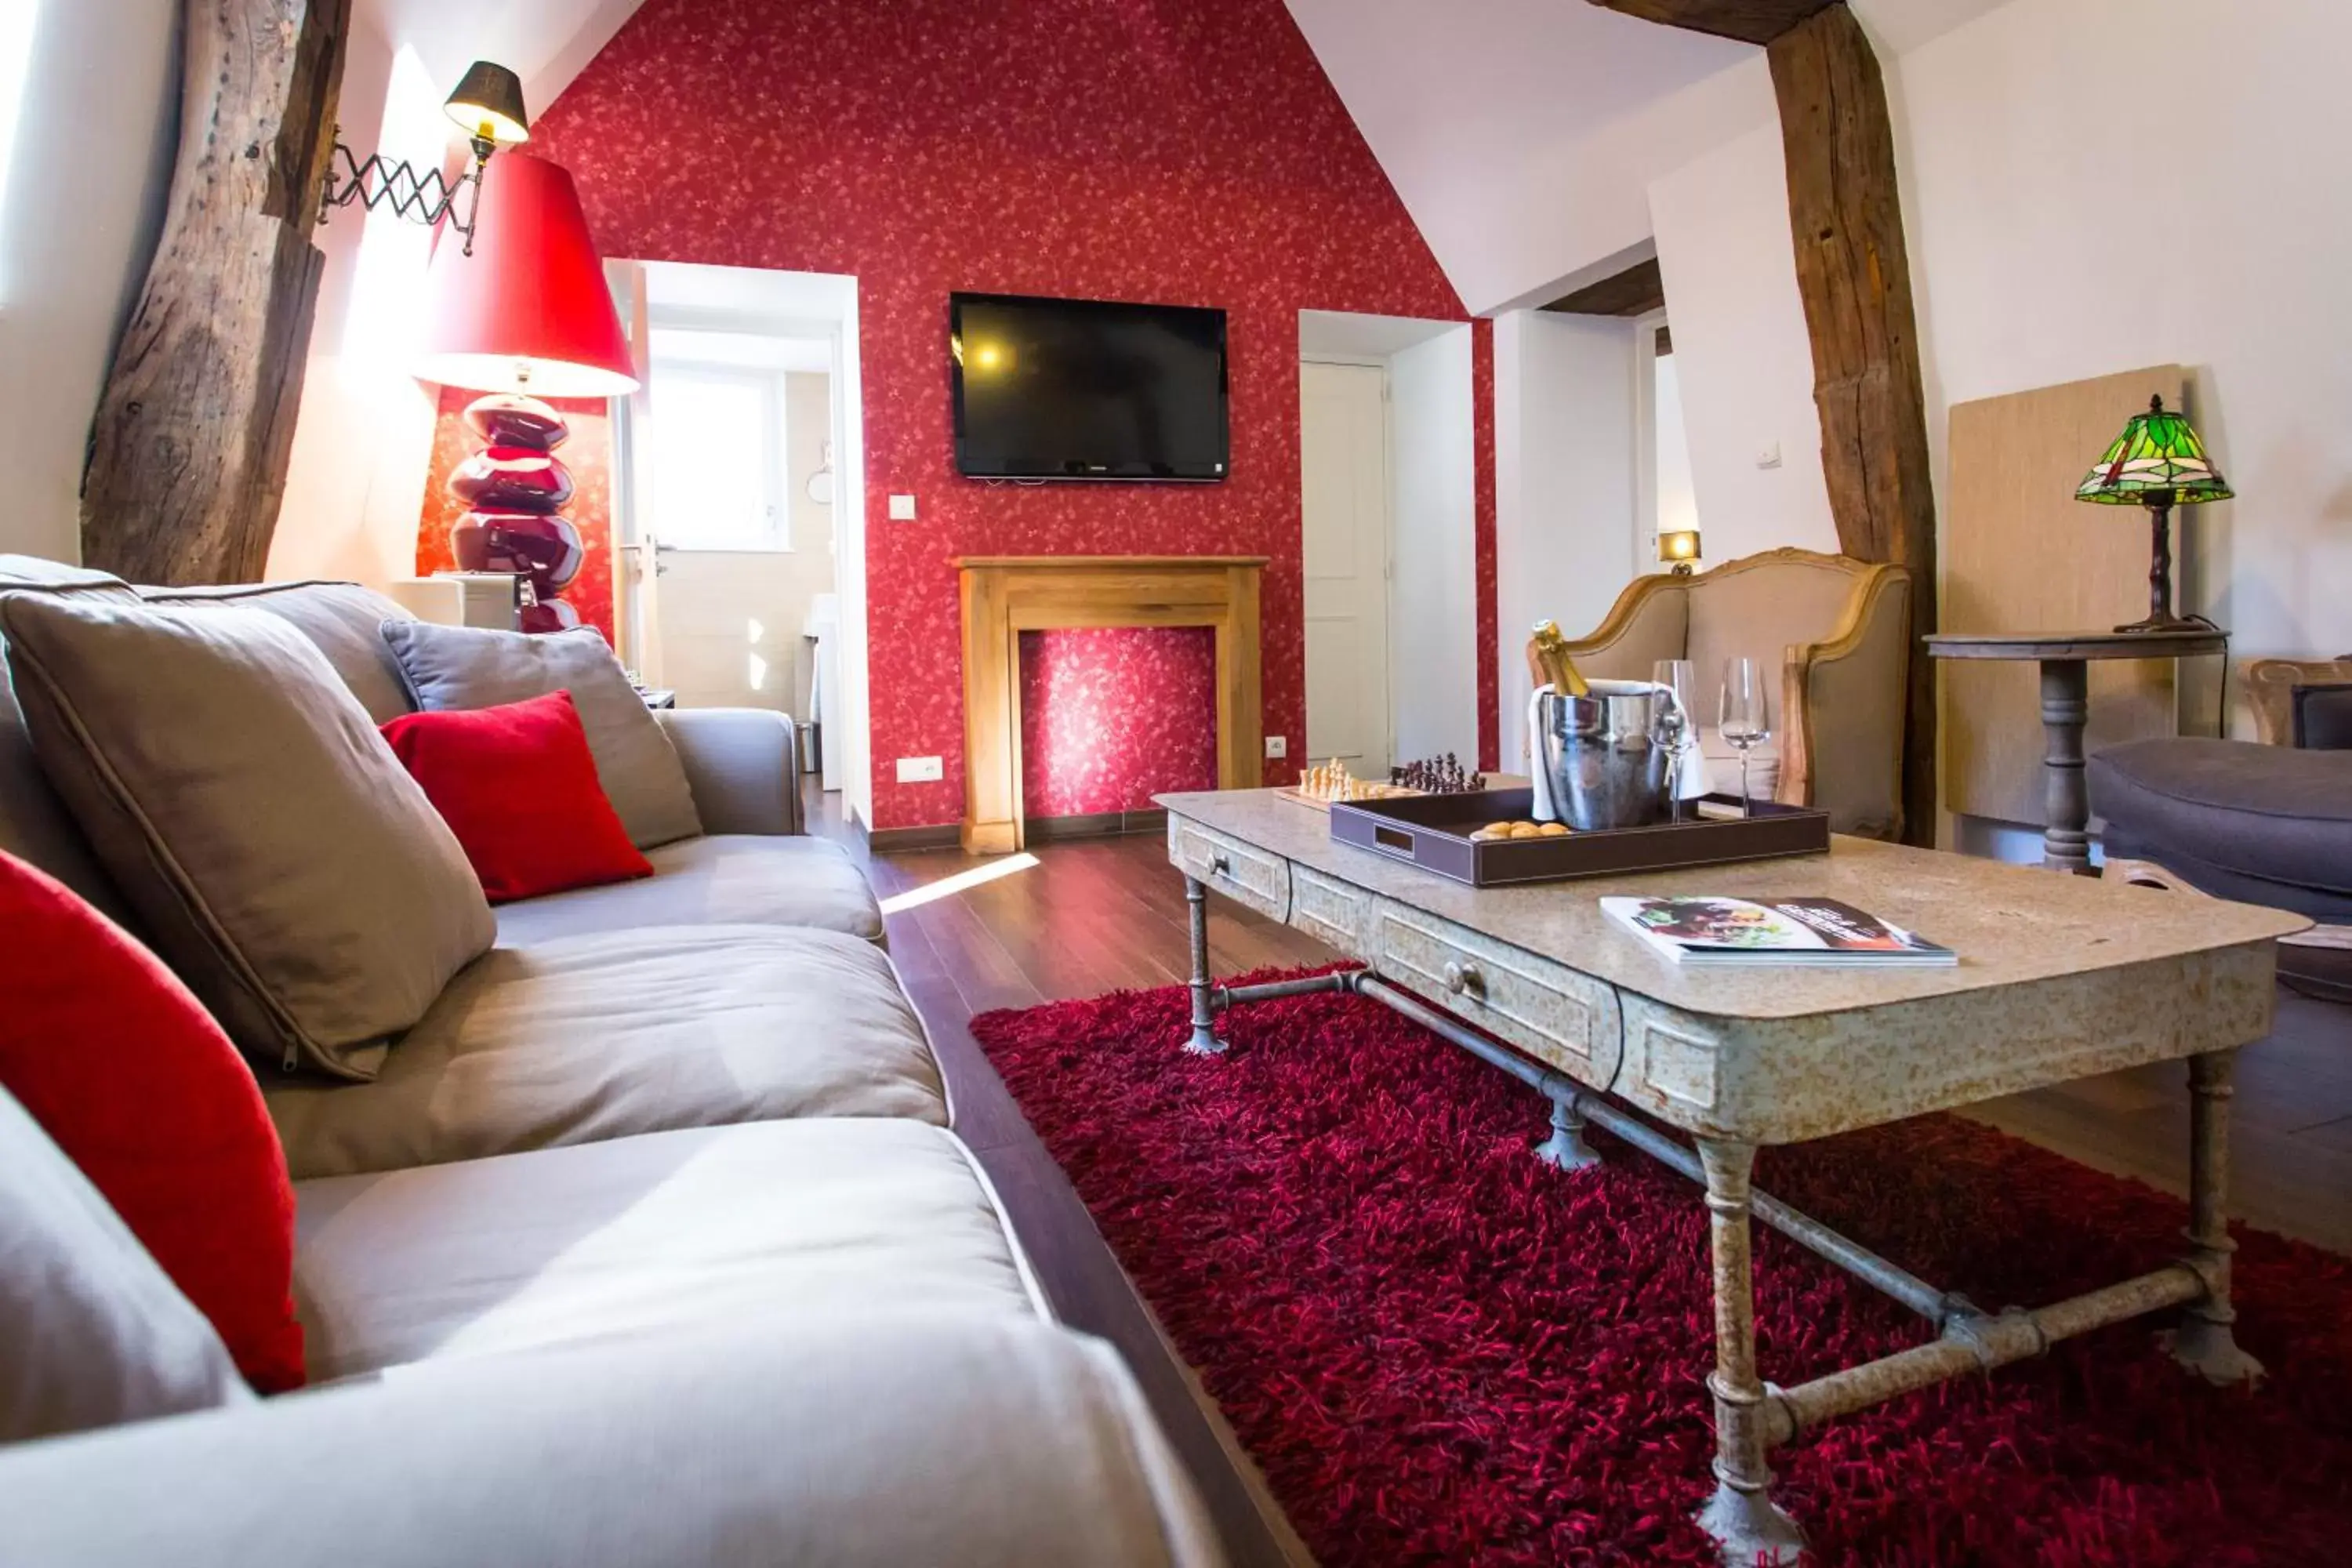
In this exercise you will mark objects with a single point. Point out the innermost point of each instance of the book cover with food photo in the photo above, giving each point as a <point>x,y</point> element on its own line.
<point>1774,931</point>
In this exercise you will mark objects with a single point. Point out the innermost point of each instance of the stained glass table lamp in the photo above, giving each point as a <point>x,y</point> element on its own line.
<point>2157,463</point>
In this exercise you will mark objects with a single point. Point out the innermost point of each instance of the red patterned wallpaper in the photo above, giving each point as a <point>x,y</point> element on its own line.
<point>587,452</point>
<point>1187,151</point>
<point>1112,716</point>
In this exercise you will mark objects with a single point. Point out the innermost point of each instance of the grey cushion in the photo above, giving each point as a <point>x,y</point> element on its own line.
<point>710,1225</point>
<point>283,861</point>
<point>343,620</point>
<point>907,1442</point>
<point>590,1037</point>
<point>466,667</point>
<point>726,879</point>
<point>34,823</point>
<point>2265,825</point>
<point>92,1333</point>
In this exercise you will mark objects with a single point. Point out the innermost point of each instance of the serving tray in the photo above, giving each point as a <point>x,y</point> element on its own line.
<point>1432,831</point>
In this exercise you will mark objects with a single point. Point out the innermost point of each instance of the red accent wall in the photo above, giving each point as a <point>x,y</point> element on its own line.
<point>1187,151</point>
<point>1111,716</point>
<point>587,452</point>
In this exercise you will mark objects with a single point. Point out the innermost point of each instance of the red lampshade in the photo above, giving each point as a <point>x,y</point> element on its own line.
<point>529,310</point>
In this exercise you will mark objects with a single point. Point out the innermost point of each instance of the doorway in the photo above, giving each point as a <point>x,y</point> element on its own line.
<point>738,501</point>
<point>1389,505</point>
<point>1343,440</point>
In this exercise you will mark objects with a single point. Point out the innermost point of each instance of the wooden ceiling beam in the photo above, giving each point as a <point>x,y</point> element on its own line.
<point>1749,21</point>
<point>1854,273</point>
<point>195,427</point>
<point>1636,291</point>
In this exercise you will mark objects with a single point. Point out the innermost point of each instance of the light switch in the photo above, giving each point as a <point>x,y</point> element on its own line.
<point>1277,745</point>
<point>1768,456</point>
<point>902,508</point>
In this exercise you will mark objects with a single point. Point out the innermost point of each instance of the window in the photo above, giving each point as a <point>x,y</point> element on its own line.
<point>718,476</point>
<point>17,18</point>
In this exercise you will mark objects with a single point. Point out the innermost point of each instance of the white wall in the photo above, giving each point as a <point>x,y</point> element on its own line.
<point>1432,602</point>
<point>1741,352</point>
<point>86,191</point>
<point>2221,130</point>
<point>1564,486</point>
<point>364,438</point>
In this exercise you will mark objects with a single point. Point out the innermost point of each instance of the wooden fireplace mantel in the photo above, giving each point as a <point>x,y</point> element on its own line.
<point>1004,595</point>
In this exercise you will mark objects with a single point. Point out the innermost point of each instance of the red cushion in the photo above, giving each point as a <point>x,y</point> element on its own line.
<point>518,786</point>
<point>129,1075</point>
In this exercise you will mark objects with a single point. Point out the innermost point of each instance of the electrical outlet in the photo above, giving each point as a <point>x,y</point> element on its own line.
<point>1277,746</point>
<point>902,509</point>
<point>1768,456</point>
<point>920,770</point>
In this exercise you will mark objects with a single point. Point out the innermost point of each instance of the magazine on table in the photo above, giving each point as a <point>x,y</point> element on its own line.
<point>1819,931</point>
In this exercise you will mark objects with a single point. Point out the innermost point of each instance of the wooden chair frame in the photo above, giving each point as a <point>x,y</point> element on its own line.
<point>1871,580</point>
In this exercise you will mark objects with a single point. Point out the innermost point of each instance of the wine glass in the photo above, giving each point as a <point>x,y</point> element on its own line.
<point>1746,718</point>
<point>1680,677</point>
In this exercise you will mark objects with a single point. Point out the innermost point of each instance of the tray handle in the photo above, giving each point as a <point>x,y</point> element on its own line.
<point>1392,840</point>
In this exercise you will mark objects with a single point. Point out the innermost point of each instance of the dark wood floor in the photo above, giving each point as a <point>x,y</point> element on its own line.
<point>1091,916</point>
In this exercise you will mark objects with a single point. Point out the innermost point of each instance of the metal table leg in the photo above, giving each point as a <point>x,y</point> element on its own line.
<point>1204,1041</point>
<point>1741,1516</point>
<point>1752,1418</point>
<point>2204,1342</point>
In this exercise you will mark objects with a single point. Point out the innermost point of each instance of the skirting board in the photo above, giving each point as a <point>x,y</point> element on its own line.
<point>898,840</point>
<point>1040,830</point>
<point>1096,825</point>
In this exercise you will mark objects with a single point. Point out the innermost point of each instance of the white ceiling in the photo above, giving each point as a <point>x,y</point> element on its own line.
<point>545,42</point>
<point>1438,88</point>
<point>1521,134</point>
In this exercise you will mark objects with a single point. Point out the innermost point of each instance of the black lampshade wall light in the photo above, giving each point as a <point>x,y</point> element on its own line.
<point>487,105</point>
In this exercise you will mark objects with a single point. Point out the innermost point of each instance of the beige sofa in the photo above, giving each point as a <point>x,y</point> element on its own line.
<point>1837,630</point>
<point>652,1244</point>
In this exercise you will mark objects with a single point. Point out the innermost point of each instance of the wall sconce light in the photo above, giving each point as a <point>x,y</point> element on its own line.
<point>488,105</point>
<point>1679,548</point>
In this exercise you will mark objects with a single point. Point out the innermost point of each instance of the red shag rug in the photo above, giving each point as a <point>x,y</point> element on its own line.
<point>1443,1352</point>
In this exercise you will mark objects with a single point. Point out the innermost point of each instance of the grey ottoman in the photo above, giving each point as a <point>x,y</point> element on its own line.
<point>2263,824</point>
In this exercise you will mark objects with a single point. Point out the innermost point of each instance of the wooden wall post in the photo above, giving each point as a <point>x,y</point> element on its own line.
<point>188,455</point>
<point>1845,217</point>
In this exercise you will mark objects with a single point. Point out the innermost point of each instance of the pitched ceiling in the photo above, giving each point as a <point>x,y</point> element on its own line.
<point>545,42</point>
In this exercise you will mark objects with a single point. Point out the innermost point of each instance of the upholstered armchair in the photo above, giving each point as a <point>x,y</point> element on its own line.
<point>1840,630</point>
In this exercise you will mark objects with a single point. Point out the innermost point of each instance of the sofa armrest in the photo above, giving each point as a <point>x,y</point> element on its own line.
<point>1845,701</point>
<point>870,1443</point>
<point>743,765</point>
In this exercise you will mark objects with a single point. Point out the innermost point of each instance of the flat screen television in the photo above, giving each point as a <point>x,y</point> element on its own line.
<point>1087,389</point>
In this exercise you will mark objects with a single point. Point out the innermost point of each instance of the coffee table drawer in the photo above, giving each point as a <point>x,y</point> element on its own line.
<point>1562,1018</point>
<point>1336,913</point>
<point>1228,866</point>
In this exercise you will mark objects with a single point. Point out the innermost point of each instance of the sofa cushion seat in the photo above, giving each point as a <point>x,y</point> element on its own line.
<point>724,880</point>
<point>591,1038</point>
<point>2265,825</point>
<point>849,1217</point>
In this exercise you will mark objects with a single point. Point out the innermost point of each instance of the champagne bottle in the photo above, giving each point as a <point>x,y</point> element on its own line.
<point>1548,661</point>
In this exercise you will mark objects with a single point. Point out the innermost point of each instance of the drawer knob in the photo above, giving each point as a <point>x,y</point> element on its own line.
<point>1464,980</point>
<point>1220,867</point>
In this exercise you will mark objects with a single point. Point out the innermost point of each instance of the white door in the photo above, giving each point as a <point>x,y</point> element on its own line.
<point>1343,436</point>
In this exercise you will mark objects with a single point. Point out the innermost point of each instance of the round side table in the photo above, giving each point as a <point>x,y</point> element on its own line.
<point>2064,658</point>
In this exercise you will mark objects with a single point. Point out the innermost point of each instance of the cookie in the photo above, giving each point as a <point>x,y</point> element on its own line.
<point>1553,830</point>
<point>1526,830</point>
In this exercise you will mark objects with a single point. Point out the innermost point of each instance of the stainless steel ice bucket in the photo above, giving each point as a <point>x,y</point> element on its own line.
<point>1609,756</point>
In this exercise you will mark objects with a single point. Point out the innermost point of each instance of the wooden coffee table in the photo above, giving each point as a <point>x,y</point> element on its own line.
<point>2060,978</point>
